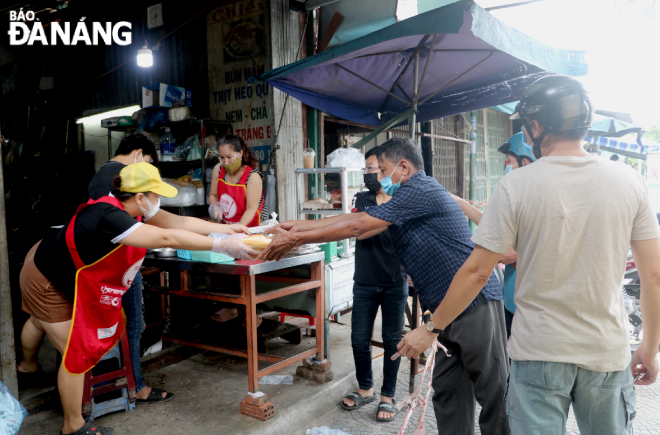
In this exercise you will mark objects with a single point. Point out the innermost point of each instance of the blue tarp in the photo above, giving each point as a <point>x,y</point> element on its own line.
<point>476,61</point>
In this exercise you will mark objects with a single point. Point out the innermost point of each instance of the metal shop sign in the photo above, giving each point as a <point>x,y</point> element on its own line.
<point>238,48</point>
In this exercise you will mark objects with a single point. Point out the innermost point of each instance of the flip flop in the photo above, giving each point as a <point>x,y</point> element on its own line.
<point>35,379</point>
<point>92,429</point>
<point>156,396</point>
<point>386,407</point>
<point>359,400</point>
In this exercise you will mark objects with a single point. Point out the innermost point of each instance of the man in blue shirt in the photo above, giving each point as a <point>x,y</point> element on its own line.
<point>432,240</point>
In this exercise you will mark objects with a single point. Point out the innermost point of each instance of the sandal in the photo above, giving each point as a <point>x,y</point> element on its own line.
<point>358,399</point>
<point>35,379</point>
<point>156,396</point>
<point>92,429</point>
<point>386,407</point>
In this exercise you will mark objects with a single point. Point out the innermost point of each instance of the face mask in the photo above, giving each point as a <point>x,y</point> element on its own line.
<point>135,161</point>
<point>233,166</point>
<point>509,168</point>
<point>153,209</point>
<point>371,182</point>
<point>386,183</point>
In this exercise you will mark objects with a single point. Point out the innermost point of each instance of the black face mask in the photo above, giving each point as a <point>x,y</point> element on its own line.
<point>372,183</point>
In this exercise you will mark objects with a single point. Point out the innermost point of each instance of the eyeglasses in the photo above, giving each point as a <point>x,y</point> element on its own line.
<point>371,171</point>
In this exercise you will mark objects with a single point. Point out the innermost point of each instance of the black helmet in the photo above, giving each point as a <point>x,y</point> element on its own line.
<point>559,103</point>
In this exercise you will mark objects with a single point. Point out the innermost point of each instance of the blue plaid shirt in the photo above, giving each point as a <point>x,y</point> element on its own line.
<point>432,238</point>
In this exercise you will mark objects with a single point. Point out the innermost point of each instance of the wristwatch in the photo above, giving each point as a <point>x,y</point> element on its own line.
<point>431,328</point>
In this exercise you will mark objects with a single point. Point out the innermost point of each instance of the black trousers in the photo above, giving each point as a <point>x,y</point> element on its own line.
<point>477,369</point>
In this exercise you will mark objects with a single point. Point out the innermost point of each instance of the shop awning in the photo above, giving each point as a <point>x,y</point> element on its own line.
<point>468,60</point>
<point>610,127</point>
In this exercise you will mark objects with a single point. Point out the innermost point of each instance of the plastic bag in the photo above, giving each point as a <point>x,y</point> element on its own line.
<point>346,158</point>
<point>195,153</point>
<point>183,150</point>
<point>196,174</point>
<point>271,221</point>
<point>186,196</point>
<point>152,118</point>
<point>12,413</point>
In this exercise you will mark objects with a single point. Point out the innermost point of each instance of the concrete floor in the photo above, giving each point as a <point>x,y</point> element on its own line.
<point>209,388</point>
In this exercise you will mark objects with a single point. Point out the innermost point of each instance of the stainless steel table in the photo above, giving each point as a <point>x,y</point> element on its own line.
<point>249,272</point>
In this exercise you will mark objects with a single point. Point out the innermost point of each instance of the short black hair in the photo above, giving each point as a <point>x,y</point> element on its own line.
<point>614,157</point>
<point>576,134</point>
<point>137,141</point>
<point>402,148</point>
<point>372,152</point>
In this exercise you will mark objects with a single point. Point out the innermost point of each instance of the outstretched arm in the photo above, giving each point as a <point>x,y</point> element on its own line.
<point>466,285</point>
<point>352,225</point>
<point>167,220</point>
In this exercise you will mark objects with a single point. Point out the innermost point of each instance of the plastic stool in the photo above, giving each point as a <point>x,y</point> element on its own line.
<point>121,379</point>
<point>312,320</point>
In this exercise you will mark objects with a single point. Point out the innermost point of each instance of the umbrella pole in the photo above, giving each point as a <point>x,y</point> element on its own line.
<point>413,113</point>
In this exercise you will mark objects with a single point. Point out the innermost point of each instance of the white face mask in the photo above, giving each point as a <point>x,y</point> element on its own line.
<point>135,159</point>
<point>153,209</point>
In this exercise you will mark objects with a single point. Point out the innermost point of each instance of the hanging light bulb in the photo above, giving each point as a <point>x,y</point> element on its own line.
<point>145,58</point>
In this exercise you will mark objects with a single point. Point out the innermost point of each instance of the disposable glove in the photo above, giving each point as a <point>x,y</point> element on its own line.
<point>215,212</point>
<point>233,246</point>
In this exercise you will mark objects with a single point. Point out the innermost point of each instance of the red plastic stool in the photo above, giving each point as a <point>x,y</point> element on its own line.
<point>312,320</point>
<point>113,381</point>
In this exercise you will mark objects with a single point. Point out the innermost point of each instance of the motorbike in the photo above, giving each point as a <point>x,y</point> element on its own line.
<point>631,298</point>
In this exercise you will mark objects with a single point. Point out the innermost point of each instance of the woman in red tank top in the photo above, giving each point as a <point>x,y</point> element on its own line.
<point>238,193</point>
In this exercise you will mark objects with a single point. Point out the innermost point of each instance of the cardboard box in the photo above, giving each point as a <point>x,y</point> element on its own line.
<point>164,95</point>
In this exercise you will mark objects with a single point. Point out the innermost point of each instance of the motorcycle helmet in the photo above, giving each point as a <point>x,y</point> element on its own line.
<point>517,146</point>
<point>558,102</point>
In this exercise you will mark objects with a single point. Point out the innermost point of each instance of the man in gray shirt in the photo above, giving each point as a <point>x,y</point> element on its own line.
<point>570,217</point>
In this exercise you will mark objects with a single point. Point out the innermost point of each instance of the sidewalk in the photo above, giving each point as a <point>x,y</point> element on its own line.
<point>363,421</point>
<point>210,386</point>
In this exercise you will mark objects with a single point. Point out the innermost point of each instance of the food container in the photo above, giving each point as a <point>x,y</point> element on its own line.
<point>308,158</point>
<point>164,252</point>
<point>210,257</point>
<point>184,254</point>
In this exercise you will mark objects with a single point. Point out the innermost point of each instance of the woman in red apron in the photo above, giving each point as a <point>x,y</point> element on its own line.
<point>72,283</point>
<point>238,196</point>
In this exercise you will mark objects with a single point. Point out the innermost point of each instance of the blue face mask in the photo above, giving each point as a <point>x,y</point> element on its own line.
<point>389,188</point>
<point>509,168</point>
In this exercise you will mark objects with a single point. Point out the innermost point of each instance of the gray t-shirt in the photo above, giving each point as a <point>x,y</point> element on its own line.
<point>571,220</point>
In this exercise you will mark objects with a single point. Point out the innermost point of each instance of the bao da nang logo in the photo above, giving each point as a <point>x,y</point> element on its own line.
<point>24,29</point>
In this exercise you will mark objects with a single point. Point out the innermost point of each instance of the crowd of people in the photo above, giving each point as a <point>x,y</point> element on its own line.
<point>75,284</point>
<point>561,222</point>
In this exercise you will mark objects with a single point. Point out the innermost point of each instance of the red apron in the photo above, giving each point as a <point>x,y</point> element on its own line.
<point>98,321</point>
<point>233,199</point>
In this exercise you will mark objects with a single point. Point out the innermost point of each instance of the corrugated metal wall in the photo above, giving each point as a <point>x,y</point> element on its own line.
<point>444,154</point>
<point>487,175</point>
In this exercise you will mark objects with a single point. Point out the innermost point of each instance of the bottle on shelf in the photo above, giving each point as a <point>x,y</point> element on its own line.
<point>167,145</point>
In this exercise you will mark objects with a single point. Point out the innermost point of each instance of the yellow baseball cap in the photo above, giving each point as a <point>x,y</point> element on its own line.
<point>144,177</point>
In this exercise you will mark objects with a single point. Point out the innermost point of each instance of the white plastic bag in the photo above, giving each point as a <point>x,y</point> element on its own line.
<point>272,221</point>
<point>346,158</point>
<point>12,413</point>
<point>185,196</point>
